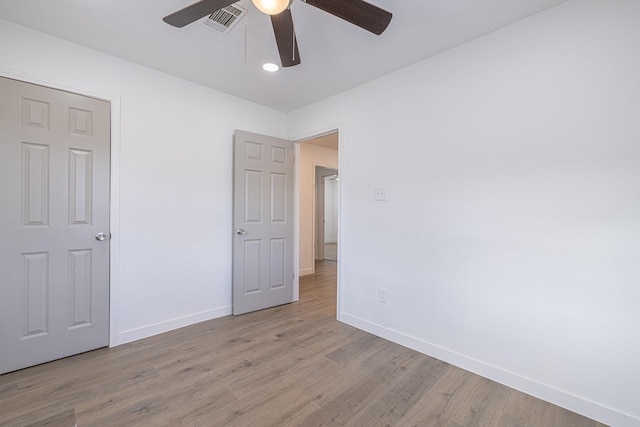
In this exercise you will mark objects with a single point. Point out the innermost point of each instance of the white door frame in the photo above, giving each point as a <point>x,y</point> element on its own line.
<point>299,140</point>
<point>114,203</point>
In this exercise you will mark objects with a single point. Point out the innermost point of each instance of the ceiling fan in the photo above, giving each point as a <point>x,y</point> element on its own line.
<point>357,12</point>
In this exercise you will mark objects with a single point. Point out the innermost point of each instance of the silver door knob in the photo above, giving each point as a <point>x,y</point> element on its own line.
<point>101,236</point>
<point>240,232</point>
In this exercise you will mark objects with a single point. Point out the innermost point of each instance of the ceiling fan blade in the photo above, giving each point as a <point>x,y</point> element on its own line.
<point>358,12</point>
<point>285,38</point>
<point>195,11</point>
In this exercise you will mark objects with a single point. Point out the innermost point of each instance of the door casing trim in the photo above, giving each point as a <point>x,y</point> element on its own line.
<point>114,186</point>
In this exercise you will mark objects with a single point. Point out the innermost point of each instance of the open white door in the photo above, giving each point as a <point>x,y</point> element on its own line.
<point>263,222</point>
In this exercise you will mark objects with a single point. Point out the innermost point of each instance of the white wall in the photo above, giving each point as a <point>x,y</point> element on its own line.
<point>310,157</point>
<point>175,179</point>
<point>510,241</point>
<point>331,210</point>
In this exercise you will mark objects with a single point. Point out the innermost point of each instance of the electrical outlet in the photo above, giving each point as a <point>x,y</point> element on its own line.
<point>382,295</point>
<point>380,194</point>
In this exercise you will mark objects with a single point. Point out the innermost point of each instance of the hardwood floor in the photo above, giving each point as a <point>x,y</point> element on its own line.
<point>292,365</point>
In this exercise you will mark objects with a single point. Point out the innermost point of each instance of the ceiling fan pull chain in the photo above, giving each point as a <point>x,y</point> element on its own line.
<point>293,32</point>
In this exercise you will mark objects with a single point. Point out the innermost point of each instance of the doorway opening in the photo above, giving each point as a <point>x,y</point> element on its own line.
<point>318,210</point>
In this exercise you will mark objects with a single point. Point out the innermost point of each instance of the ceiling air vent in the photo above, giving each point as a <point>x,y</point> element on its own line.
<point>224,19</point>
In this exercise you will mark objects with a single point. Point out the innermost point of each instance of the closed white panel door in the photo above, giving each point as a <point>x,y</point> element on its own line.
<point>263,222</point>
<point>54,224</point>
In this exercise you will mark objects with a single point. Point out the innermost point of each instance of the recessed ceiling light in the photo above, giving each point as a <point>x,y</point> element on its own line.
<point>270,67</point>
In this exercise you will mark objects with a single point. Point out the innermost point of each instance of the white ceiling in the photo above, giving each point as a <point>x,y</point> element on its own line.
<point>335,54</point>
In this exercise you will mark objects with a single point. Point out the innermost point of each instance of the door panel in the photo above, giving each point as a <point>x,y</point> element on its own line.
<point>35,294</point>
<point>263,220</point>
<point>54,190</point>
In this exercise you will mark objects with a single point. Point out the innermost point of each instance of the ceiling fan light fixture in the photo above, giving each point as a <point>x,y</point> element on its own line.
<point>271,7</point>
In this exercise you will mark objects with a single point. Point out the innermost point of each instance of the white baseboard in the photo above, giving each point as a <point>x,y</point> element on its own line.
<point>529,386</point>
<point>169,325</point>
<point>305,272</point>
